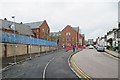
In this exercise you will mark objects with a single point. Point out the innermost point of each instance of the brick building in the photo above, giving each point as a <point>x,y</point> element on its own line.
<point>54,36</point>
<point>40,29</point>
<point>70,35</point>
<point>81,39</point>
<point>90,41</point>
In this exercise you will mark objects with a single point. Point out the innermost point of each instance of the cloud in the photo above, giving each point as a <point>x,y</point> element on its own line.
<point>94,18</point>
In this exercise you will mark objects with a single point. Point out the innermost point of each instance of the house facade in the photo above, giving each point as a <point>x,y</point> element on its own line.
<point>40,29</point>
<point>112,37</point>
<point>102,41</point>
<point>70,35</point>
<point>81,39</point>
<point>22,29</point>
<point>90,41</point>
<point>54,36</point>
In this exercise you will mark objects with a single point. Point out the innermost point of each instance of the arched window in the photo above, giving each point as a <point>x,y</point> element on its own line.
<point>67,36</point>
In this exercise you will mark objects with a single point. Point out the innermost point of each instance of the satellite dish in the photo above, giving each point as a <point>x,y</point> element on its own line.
<point>12,27</point>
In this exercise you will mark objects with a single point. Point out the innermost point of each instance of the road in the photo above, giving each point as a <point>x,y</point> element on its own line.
<point>50,65</point>
<point>97,64</point>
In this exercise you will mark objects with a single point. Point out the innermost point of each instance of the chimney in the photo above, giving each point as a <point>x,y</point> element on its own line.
<point>5,18</point>
<point>21,23</point>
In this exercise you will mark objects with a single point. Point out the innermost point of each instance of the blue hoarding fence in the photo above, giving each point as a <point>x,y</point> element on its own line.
<point>21,39</point>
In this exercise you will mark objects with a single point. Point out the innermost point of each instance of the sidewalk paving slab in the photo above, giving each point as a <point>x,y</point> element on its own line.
<point>113,53</point>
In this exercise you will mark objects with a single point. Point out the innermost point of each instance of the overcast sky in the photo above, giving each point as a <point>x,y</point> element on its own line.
<point>94,17</point>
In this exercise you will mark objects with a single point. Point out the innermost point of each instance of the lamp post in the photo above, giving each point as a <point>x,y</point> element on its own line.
<point>38,44</point>
<point>30,48</point>
<point>14,28</point>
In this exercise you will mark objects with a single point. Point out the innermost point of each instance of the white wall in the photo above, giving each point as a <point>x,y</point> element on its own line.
<point>110,36</point>
<point>102,42</point>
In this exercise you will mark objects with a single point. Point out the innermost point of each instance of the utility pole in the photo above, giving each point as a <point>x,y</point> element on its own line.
<point>14,28</point>
<point>30,48</point>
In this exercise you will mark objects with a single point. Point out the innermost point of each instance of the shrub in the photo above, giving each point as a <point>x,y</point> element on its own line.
<point>108,47</point>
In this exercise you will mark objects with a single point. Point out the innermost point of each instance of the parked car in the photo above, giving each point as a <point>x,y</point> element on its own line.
<point>90,47</point>
<point>100,48</point>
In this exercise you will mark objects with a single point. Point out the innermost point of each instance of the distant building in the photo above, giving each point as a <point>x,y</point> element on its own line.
<point>6,26</point>
<point>112,37</point>
<point>81,39</point>
<point>70,35</point>
<point>56,36</point>
<point>102,41</point>
<point>98,41</point>
<point>90,41</point>
<point>40,29</point>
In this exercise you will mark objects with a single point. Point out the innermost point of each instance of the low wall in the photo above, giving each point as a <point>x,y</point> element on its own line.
<point>33,49</point>
<point>17,49</point>
<point>7,49</point>
<point>1,50</point>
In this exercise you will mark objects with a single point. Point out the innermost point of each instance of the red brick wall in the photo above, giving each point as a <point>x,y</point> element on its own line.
<point>37,32</point>
<point>10,31</point>
<point>68,28</point>
<point>41,31</point>
<point>83,40</point>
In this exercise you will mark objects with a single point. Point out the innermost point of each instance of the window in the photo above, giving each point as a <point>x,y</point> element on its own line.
<point>67,36</point>
<point>37,30</point>
<point>43,30</point>
<point>72,39</point>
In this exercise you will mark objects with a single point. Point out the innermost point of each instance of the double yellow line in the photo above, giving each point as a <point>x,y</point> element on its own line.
<point>79,71</point>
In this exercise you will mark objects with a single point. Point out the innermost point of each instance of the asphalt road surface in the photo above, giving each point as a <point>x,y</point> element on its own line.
<point>97,64</point>
<point>50,65</point>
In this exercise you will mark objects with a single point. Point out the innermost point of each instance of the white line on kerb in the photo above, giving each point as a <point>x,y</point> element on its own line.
<point>46,68</point>
<point>71,67</point>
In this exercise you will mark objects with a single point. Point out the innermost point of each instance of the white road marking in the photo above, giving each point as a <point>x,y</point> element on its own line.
<point>46,68</point>
<point>71,66</point>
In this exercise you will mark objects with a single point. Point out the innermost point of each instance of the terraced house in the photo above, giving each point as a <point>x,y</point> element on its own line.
<point>6,26</point>
<point>112,37</point>
<point>40,29</point>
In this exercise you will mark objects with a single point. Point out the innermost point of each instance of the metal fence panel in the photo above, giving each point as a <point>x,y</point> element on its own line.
<point>10,37</point>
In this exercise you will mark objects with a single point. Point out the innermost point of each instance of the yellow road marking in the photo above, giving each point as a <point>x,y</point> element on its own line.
<point>79,71</point>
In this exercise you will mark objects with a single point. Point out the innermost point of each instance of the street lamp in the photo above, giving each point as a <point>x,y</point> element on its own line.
<point>38,43</point>
<point>30,47</point>
<point>14,28</point>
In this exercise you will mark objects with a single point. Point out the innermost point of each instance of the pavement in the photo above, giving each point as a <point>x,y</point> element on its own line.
<point>91,64</point>
<point>113,53</point>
